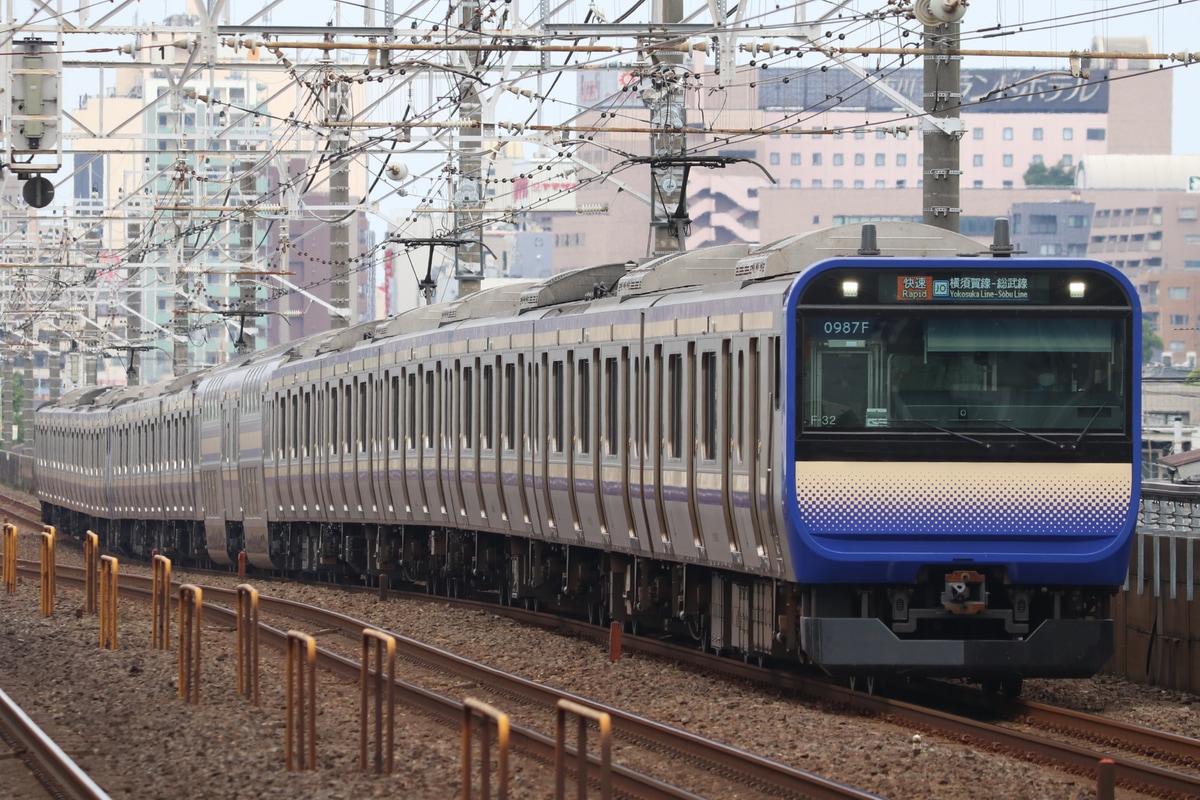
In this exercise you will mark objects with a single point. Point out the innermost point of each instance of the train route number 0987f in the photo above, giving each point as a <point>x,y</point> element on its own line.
<point>844,327</point>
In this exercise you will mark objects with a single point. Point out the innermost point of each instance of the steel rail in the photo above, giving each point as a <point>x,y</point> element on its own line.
<point>754,768</point>
<point>1156,744</point>
<point>626,782</point>
<point>53,767</point>
<point>1128,772</point>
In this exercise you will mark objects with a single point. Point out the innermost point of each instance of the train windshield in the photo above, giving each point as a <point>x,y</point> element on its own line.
<point>958,369</point>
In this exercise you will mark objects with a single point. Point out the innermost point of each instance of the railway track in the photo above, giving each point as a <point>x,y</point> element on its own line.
<point>1123,743</point>
<point>1131,748</point>
<point>738,768</point>
<point>18,508</point>
<point>1110,739</point>
<point>38,767</point>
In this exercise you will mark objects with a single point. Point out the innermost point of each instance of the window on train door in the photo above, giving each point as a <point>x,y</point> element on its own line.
<point>558,404</point>
<point>428,408</point>
<point>487,398</point>
<point>611,406</point>
<point>395,412</point>
<point>708,406</point>
<point>468,407</point>
<point>737,408</point>
<point>585,400</point>
<point>410,410</point>
<point>510,407</point>
<point>363,416</point>
<point>306,444</point>
<point>334,426</point>
<point>277,426</point>
<point>675,405</point>
<point>294,434</point>
<point>348,418</point>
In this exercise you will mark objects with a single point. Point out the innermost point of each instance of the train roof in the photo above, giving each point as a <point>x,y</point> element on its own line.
<point>723,264</point>
<point>731,264</point>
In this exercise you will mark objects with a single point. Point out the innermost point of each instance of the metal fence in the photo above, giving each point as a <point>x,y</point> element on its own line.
<point>1158,636</point>
<point>17,470</point>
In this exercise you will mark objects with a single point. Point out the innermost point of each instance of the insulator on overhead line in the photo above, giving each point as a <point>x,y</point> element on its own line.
<point>1081,66</point>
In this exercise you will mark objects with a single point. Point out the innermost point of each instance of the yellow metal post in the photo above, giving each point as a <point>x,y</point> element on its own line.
<point>91,572</point>
<point>48,570</point>
<point>300,731</point>
<point>191,611</point>
<point>604,724</point>
<point>10,558</point>
<point>383,683</point>
<point>108,602</point>
<point>473,708</point>
<point>247,642</point>
<point>160,603</point>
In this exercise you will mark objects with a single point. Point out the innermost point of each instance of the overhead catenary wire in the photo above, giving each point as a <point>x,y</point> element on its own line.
<point>153,233</point>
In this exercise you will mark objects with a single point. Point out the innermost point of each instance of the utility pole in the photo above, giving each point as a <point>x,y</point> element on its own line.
<point>664,98</point>
<point>29,402</point>
<point>468,195</point>
<point>54,359</point>
<point>943,96</point>
<point>339,201</point>
<point>182,222</point>
<point>133,327</point>
<point>6,397</point>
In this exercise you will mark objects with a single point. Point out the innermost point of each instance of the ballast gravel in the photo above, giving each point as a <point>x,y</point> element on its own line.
<point>118,714</point>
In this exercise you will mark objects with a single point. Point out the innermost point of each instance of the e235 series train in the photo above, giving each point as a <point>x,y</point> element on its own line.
<point>920,462</point>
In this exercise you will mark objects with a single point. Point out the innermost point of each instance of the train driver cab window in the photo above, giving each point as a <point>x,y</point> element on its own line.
<point>964,371</point>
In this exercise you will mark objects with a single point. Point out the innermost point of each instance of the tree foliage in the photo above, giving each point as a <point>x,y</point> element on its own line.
<point>1151,341</point>
<point>1039,174</point>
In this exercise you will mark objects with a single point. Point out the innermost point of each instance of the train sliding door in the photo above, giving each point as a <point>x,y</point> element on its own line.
<point>450,444</point>
<point>743,460</point>
<point>587,496</point>
<point>614,472</point>
<point>430,441</point>
<point>385,442</point>
<point>514,447</point>
<point>712,472</point>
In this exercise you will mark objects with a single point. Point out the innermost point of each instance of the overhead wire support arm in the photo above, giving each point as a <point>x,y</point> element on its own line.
<point>711,162</point>
<point>428,284</point>
<point>677,220</point>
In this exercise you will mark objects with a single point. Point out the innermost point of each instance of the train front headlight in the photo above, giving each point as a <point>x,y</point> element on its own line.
<point>1076,289</point>
<point>849,288</point>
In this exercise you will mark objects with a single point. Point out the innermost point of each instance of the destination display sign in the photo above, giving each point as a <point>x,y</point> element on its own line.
<point>962,288</point>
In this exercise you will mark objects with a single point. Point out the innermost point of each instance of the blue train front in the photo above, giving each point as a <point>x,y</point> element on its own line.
<point>964,458</point>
